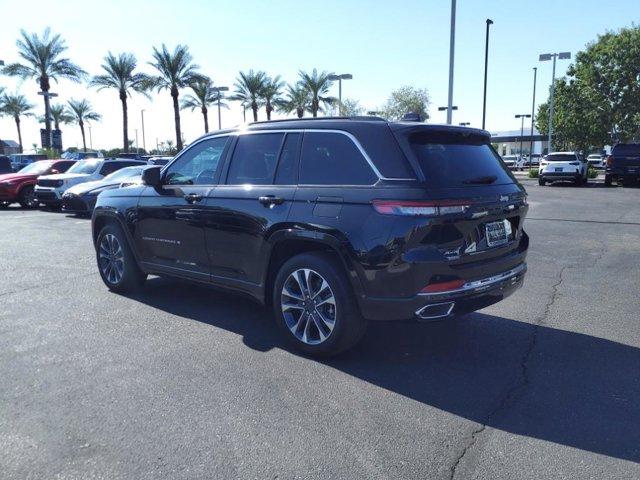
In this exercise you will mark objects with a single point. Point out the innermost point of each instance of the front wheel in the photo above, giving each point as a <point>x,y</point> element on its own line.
<point>4,205</point>
<point>315,307</point>
<point>27,197</point>
<point>116,263</point>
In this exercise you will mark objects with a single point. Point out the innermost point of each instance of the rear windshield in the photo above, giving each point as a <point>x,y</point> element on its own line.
<point>561,157</point>
<point>453,160</point>
<point>631,149</point>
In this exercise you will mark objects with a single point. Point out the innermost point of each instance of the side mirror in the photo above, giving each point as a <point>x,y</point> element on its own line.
<point>54,171</point>
<point>151,177</point>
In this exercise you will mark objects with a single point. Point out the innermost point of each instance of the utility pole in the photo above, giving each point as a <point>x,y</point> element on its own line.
<point>533,112</point>
<point>144,143</point>
<point>452,42</point>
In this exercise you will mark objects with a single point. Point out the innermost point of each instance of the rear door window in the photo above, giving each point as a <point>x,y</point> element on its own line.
<point>330,158</point>
<point>453,160</point>
<point>254,159</point>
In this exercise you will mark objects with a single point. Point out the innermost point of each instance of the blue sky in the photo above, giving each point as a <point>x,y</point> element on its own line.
<point>384,44</point>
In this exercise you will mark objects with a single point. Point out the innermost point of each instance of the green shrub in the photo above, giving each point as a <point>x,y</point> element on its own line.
<point>592,173</point>
<point>533,173</point>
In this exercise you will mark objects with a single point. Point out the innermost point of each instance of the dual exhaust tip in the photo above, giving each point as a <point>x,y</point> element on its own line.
<point>435,311</point>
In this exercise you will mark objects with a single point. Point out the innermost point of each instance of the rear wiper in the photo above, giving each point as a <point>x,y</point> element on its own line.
<point>481,180</point>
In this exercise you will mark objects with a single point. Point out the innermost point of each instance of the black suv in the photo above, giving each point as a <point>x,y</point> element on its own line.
<point>333,222</point>
<point>623,165</point>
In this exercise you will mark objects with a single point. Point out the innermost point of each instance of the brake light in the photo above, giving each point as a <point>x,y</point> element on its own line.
<point>609,160</point>
<point>420,209</point>
<point>443,286</point>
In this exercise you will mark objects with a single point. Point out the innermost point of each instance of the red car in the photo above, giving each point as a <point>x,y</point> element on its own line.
<point>18,187</point>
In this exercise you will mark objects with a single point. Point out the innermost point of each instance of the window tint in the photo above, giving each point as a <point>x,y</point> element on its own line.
<point>333,159</point>
<point>254,159</point>
<point>453,160</point>
<point>63,166</point>
<point>110,167</point>
<point>198,165</point>
<point>286,174</point>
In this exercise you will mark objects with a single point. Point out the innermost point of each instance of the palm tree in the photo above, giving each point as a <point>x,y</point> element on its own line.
<point>59,114</point>
<point>271,93</point>
<point>204,95</point>
<point>297,100</point>
<point>177,71</point>
<point>82,111</point>
<point>43,61</point>
<point>16,106</point>
<point>249,88</point>
<point>121,77</point>
<point>317,84</point>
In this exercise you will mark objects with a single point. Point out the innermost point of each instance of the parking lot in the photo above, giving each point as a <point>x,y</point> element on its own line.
<point>181,381</point>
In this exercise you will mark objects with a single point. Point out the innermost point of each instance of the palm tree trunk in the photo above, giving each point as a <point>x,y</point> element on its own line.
<point>17,119</point>
<point>314,107</point>
<point>254,108</point>
<point>125,122</point>
<point>268,109</point>
<point>300,112</point>
<point>44,86</point>
<point>206,119</point>
<point>176,115</point>
<point>84,142</point>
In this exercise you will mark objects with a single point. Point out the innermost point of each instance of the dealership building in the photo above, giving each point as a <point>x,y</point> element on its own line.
<point>508,142</point>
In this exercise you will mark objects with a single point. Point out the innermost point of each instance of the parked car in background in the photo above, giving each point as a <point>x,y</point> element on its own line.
<point>514,162</point>
<point>563,167</point>
<point>159,160</point>
<point>597,160</point>
<point>21,160</point>
<point>50,188</point>
<point>531,161</point>
<point>623,165</point>
<point>82,155</point>
<point>19,187</point>
<point>5,164</point>
<point>333,222</point>
<point>81,198</point>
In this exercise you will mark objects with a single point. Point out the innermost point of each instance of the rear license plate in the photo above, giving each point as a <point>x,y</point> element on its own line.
<point>559,169</point>
<point>497,233</point>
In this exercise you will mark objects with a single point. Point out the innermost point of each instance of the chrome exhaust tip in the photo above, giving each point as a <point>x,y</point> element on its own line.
<point>435,311</point>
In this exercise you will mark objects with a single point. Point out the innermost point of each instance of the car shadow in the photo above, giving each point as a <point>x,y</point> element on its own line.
<point>559,386</point>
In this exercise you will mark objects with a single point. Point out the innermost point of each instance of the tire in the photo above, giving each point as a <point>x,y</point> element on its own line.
<point>607,180</point>
<point>305,333</point>
<point>541,181</point>
<point>112,248</point>
<point>26,198</point>
<point>4,205</point>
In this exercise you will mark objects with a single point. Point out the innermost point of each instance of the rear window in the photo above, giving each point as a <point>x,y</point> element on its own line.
<point>452,160</point>
<point>561,157</point>
<point>631,149</point>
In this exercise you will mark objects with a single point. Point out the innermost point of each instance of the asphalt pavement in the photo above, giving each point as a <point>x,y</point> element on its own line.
<point>182,382</point>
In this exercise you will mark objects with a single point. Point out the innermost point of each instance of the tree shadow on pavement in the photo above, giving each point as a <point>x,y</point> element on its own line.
<point>559,386</point>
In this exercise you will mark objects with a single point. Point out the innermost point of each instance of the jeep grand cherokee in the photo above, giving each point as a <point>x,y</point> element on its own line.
<point>332,222</point>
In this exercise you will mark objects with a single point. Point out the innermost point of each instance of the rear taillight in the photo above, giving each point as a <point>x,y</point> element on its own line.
<point>443,286</point>
<point>609,160</point>
<point>420,209</point>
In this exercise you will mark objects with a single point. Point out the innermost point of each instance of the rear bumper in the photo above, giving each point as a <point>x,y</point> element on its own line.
<point>472,296</point>
<point>560,176</point>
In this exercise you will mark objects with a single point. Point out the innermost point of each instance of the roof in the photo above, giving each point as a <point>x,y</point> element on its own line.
<point>10,143</point>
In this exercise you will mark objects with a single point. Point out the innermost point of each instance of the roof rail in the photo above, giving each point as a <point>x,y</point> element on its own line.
<point>309,119</point>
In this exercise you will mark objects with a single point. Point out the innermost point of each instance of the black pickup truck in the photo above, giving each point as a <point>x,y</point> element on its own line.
<point>623,165</point>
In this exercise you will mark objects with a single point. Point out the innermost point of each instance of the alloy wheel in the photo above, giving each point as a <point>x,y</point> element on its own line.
<point>111,259</point>
<point>308,306</point>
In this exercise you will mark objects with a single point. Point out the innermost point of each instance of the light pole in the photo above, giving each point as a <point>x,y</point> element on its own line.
<point>522,116</point>
<point>533,112</point>
<point>452,47</point>
<point>339,78</point>
<point>90,137</point>
<point>486,63</point>
<point>218,90</point>
<point>449,110</point>
<point>545,57</point>
<point>464,124</point>
<point>137,149</point>
<point>144,143</point>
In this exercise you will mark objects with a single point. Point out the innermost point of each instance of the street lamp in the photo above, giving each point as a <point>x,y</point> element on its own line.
<point>218,90</point>
<point>545,57</point>
<point>486,62</point>
<point>464,124</point>
<point>90,137</point>
<point>449,112</point>
<point>374,113</point>
<point>533,112</point>
<point>144,143</point>
<point>452,42</point>
<point>522,116</point>
<point>339,78</point>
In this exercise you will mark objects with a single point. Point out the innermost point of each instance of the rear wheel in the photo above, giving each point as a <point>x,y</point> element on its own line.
<point>116,263</point>
<point>541,181</point>
<point>607,180</point>
<point>4,204</point>
<point>27,198</point>
<point>315,307</point>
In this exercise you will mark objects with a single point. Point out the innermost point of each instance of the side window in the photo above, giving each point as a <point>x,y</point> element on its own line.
<point>198,165</point>
<point>333,159</point>
<point>63,166</point>
<point>254,159</point>
<point>110,167</point>
<point>286,174</point>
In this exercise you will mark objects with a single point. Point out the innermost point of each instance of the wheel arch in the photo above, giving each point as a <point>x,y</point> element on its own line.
<point>104,218</point>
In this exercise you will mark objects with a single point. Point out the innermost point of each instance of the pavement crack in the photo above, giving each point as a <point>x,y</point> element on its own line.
<point>522,381</point>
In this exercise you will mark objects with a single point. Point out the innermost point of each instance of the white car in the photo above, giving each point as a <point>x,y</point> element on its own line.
<point>596,160</point>
<point>563,167</point>
<point>50,188</point>
<point>514,162</point>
